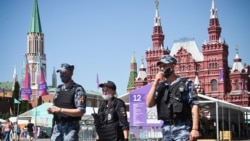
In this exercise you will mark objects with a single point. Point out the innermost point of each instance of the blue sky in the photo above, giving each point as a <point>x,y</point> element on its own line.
<point>100,36</point>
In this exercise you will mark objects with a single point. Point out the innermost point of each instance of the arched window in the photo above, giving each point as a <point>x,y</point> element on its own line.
<point>211,65</point>
<point>213,85</point>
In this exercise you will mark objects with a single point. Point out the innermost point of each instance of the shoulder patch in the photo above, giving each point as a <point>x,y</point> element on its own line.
<point>123,111</point>
<point>81,100</point>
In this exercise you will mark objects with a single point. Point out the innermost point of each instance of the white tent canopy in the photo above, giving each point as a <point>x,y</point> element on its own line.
<point>219,105</point>
<point>41,115</point>
<point>2,120</point>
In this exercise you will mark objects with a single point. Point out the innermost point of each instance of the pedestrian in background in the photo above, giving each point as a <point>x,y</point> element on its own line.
<point>7,127</point>
<point>17,131</point>
<point>30,128</point>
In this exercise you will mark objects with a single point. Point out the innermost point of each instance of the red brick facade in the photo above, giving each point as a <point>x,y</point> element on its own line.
<point>209,69</point>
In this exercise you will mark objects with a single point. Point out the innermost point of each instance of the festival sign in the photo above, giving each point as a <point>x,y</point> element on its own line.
<point>140,114</point>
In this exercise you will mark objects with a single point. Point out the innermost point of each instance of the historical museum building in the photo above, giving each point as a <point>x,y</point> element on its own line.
<point>209,68</point>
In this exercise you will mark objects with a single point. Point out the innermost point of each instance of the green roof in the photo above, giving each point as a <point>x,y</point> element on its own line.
<point>90,92</point>
<point>6,85</point>
<point>133,59</point>
<point>35,21</point>
<point>131,83</point>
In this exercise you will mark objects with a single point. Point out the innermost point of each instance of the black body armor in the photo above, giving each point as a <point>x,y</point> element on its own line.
<point>171,104</point>
<point>65,99</point>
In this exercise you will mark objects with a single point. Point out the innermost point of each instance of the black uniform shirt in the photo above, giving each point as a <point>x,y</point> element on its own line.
<point>119,109</point>
<point>122,114</point>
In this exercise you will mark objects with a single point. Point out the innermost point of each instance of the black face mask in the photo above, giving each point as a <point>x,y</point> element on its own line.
<point>65,79</point>
<point>168,72</point>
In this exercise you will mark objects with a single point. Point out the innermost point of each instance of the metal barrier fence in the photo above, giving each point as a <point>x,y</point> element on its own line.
<point>88,133</point>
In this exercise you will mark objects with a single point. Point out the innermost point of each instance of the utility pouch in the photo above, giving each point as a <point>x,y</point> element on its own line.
<point>177,107</point>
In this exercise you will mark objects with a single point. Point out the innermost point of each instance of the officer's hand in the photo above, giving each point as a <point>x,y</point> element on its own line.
<point>49,111</point>
<point>194,135</point>
<point>53,109</point>
<point>159,76</point>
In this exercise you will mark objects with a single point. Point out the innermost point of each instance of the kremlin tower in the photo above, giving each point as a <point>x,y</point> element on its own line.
<point>35,47</point>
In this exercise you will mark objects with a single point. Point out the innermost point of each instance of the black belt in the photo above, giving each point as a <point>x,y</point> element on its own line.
<point>65,121</point>
<point>174,121</point>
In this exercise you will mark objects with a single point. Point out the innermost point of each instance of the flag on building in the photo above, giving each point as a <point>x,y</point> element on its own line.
<point>42,85</point>
<point>97,81</point>
<point>26,91</point>
<point>221,75</point>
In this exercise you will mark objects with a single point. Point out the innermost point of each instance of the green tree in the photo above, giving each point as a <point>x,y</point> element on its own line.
<point>24,106</point>
<point>16,92</point>
<point>15,95</point>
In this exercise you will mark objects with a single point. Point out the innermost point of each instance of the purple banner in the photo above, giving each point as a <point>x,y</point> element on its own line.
<point>26,91</point>
<point>140,115</point>
<point>42,86</point>
<point>137,109</point>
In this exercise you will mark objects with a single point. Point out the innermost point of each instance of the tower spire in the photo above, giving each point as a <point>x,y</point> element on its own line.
<point>214,29</point>
<point>133,74</point>
<point>35,21</point>
<point>54,78</point>
<point>157,21</point>
<point>14,78</point>
<point>237,58</point>
<point>141,78</point>
<point>153,55</point>
<point>213,11</point>
<point>237,49</point>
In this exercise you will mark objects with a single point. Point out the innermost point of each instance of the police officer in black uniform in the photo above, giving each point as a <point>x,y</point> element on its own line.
<point>177,105</point>
<point>111,121</point>
<point>69,106</point>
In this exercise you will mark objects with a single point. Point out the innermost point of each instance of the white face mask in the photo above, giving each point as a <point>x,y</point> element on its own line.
<point>107,96</point>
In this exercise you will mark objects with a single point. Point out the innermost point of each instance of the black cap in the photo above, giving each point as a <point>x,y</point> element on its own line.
<point>66,67</point>
<point>108,84</point>
<point>166,59</point>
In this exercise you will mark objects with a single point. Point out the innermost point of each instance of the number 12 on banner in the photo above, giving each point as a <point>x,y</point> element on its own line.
<point>137,98</point>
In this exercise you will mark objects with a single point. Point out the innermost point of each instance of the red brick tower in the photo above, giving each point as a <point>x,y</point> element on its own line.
<point>153,55</point>
<point>214,75</point>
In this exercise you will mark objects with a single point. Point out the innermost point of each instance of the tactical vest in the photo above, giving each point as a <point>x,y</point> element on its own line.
<point>171,103</point>
<point>109,129</point>
<point>66,99</point>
